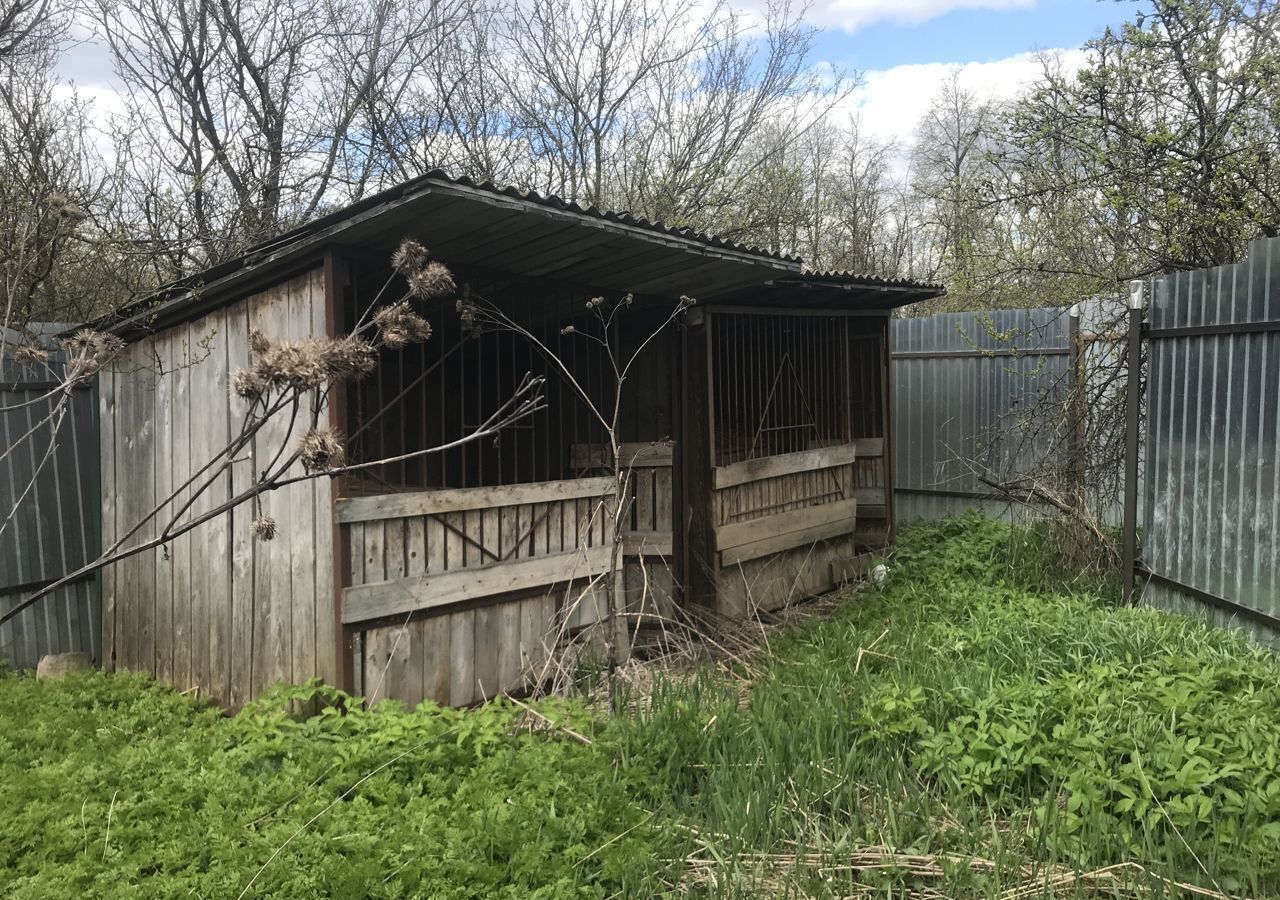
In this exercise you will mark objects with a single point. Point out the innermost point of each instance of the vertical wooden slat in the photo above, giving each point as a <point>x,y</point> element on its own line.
<point>180,551</point>
<point>461,625</point>
<point>338,659</point>
<point>145,488</point>
<point>166,360</point>
<point>234,657</point>
<point>437,630</point>
<point>273,566</point>
<point>206,563</point>
<point>301,313</point>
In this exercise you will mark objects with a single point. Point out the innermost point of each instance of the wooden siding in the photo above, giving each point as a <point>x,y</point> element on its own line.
<point>458,594</point>
<point>780,522</point>
<point>215,609</point>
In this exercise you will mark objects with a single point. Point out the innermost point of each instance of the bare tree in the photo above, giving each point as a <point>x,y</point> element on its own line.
<point>723,115</point>
<point>24,24</point>
<point>948,162</point>
<point>579,69</point>
<point>247,116</point>
<point>56,258</point>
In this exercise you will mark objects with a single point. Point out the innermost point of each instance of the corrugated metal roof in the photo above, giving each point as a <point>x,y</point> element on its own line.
<point>517,231</point>
<point>844,276</point>
<point>623,217</point>
<point>468,223</point>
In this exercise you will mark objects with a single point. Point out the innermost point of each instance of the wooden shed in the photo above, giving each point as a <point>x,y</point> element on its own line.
<point>757,426</point>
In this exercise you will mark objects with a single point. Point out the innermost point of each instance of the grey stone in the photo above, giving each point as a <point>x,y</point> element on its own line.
<point>57,665</point>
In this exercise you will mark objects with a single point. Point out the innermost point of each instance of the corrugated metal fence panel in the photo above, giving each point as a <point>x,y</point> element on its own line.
<point>50,481</point>
<point>1213,435</point>
<point>960,400</point>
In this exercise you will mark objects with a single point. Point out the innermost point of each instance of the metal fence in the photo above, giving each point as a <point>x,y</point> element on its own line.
<point>49,481</point>
<point>983,398</point>
<point>964,385</point>
<point>1212,437</point>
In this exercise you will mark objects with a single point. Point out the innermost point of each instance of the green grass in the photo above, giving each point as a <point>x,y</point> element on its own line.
<point>113,787</point>
<point>1000,717</point>
<point>996,720</point>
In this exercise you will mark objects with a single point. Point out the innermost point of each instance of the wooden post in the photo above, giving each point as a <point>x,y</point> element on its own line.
<point>886,426</point>
<point>336,275</point>
<point>1133,396</point>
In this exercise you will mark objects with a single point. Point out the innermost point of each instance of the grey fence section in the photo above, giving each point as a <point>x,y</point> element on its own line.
<point>1212,470</point>
<point>968,401</point>
<point>49,480</point>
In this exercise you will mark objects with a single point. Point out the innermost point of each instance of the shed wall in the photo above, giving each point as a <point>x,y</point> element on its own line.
<point>215,609</point>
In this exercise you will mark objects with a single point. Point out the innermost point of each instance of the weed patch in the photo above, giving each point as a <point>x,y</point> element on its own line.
<point>973,728</point>
<point>965,712</point>
<point>114,786</point>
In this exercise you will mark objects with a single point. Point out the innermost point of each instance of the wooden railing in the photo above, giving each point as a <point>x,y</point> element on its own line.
<point>776,503</point>
<point>649,583</point>
<point>456,595</point>
<point>433,549</point>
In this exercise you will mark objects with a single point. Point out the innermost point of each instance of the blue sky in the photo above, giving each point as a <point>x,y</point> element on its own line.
<point>904,50</point>
<point>899,34</point>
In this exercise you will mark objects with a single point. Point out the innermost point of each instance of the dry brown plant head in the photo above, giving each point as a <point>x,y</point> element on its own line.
<point>90,351</point>
<point>398,325</point>
<point>432,280</point>
<point>263,528</point>
<point>409,257</point>
<point>321,449</point>
<point>31,355</point>
<point>248,383</point>
<point>350,358</point>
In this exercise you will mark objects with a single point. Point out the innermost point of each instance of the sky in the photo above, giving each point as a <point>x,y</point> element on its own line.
<point>905,49</point>
<point>902,50</point>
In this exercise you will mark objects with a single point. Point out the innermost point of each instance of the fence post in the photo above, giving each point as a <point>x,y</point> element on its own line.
<point>1075,408</point>
<point>1132,403</point>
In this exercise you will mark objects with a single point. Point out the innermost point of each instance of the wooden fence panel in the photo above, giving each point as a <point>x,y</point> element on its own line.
<point>780,524</point>
<point>457,592</point>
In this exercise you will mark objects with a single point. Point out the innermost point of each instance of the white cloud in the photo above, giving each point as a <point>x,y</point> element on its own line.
<point>854,14</point>
<point>891,102</point>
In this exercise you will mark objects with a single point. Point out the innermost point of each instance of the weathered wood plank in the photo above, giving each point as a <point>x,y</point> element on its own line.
<point>328,665</point>
<point>435,658</point>
<point>630,455</point>
<point>462,624</point>
<point>462,650</point>
<point>642,511</point>
<point>752,530</point>
<point>206,566</point>
<point>869,447</point>
<point>662,501</point>
<point>485,654</point>
<point>646,543</point>
<point>107,412</point>
<point>867,496</point>
<point>396,506</point>
<point>300,312</point>
<point>180,437</point>
<point>779,542</point>
<point>509,664</point>
<point>783,464</point>
<point>399,597</point>
<point>237,643</point>
<point>535,623</point>
<point>166,356</point>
